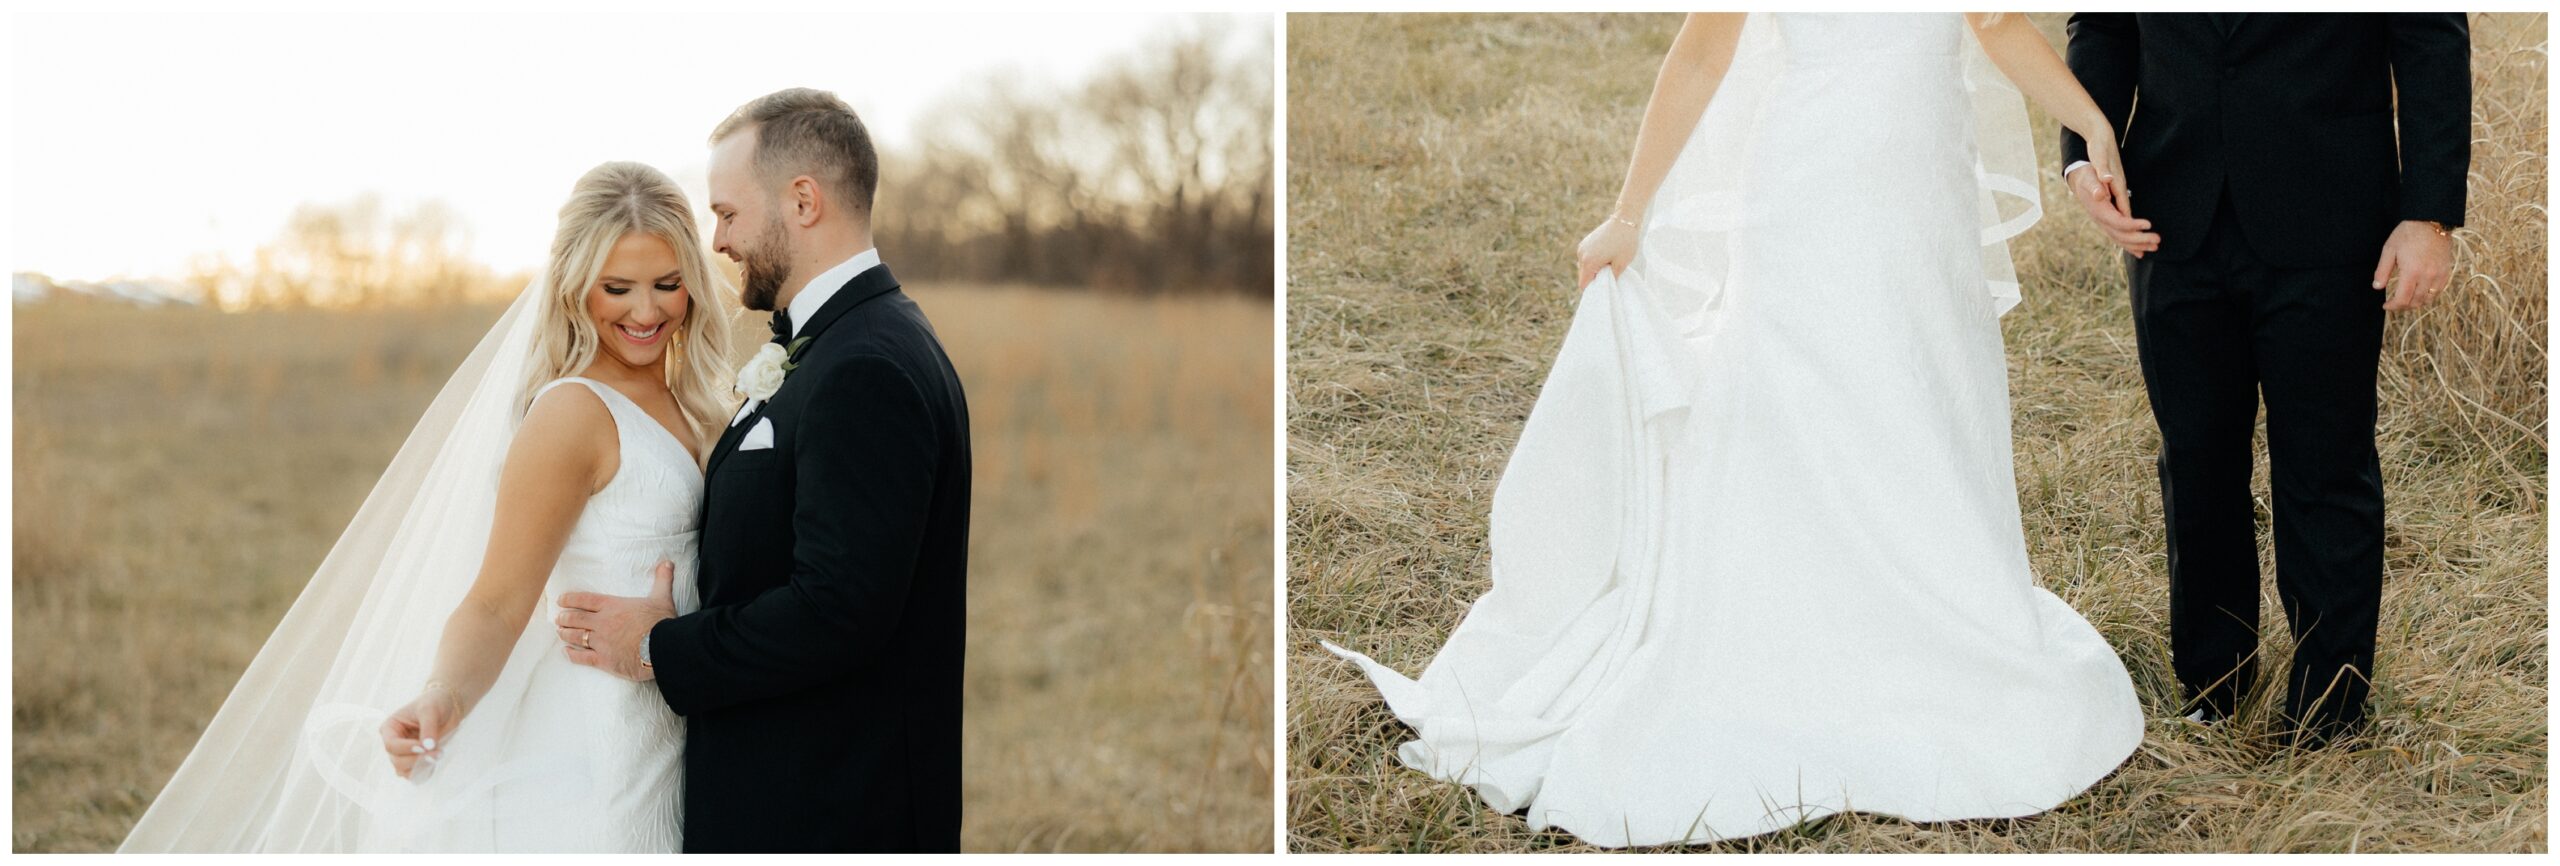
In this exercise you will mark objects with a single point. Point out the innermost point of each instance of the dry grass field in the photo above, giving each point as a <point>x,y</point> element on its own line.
<point>1441,167</point>
<point>180,473</point>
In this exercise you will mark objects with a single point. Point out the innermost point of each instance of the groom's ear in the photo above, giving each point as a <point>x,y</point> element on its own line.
<point>808,201</point>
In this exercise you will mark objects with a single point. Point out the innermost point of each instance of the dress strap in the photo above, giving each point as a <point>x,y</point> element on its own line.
<point>614,401</point>
<point>603,391</point>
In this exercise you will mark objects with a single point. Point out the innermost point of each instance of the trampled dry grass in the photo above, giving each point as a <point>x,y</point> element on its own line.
<point>1442,166</point>
<point>180,473</point>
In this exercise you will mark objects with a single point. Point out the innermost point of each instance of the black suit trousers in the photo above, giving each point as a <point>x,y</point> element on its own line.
<point>2216,331</point>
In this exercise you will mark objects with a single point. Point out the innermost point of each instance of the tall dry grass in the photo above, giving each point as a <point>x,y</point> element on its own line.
<point>181,472</point>
<point>1441,168</point>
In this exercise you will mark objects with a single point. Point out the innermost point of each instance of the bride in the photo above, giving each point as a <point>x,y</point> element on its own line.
<point>1757,557</point>
<point>404,704</point>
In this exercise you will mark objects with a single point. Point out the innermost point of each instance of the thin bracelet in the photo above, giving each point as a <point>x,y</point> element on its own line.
<point>1617,211</point>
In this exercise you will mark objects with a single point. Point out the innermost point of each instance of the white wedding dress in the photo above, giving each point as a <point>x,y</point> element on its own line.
<point>555,757</point>
<point>1757,557</point>
<point>589,762</point>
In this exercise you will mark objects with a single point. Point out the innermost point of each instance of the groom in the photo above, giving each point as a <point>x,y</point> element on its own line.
<point>820,681</point>
<point>2275,211</point>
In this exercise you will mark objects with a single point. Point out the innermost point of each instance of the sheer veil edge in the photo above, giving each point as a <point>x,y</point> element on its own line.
<point>1688,227</point>
<point>292,760</point>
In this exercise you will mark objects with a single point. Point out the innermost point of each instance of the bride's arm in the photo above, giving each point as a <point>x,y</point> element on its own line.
<point>564,452</point>
<point>2028,61</point>
<point>1688,79</point>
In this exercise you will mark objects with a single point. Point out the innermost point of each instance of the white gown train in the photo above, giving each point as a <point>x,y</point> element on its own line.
<point>1757,557</point>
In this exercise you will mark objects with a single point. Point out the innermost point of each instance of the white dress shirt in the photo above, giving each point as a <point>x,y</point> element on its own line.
<point>814,294</point>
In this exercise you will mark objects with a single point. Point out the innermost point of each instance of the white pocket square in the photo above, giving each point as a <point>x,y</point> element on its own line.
<point>759,437</point>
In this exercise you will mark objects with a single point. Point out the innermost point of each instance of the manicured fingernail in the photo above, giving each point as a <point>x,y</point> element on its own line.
<point>431,742</point>
<point>2377,284</point>
<point>417,750</point>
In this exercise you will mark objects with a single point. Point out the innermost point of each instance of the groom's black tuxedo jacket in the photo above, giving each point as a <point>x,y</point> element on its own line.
<point>2294,113</point>
<point>820,681</point>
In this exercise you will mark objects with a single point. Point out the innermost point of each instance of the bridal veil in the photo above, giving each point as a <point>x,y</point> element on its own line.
<point>1696,210</point>
<point>293,760</point>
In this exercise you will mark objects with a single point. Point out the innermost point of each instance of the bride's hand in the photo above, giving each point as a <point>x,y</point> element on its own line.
<point>415,732</point>
<point>2110,165</point>
<point>1612,246</point>
<point>2103,194</point>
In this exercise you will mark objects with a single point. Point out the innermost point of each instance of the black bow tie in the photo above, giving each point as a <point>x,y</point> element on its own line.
<point>782,327</point>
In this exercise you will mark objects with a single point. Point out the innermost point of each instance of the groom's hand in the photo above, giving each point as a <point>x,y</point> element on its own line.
<point>2097,195</point>
<point>2421,253</point>
<point>604,631</point>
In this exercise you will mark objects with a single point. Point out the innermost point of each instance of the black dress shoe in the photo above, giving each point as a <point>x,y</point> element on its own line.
<point>2321,733</point>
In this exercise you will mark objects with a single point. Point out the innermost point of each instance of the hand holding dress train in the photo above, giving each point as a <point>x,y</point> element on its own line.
<point>1757,556</point>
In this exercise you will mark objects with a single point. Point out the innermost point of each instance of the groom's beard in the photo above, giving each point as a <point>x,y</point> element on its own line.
<point>766,265</point>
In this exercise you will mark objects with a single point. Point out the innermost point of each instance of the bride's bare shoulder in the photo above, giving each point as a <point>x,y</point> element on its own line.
<point>568,434</point>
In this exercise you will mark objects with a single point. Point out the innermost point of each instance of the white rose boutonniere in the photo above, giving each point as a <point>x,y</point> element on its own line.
<point>763,373</point>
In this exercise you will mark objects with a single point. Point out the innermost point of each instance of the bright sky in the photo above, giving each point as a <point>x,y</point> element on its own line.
<point>140,139</point>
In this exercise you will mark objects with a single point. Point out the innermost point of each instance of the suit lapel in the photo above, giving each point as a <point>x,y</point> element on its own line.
<point>871,283</point>
<point>2238,40</point>
<point>862,288</point>
<point>729,439</point>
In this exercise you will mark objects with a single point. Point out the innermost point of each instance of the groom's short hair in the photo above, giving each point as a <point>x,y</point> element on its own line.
<point>806,131</point>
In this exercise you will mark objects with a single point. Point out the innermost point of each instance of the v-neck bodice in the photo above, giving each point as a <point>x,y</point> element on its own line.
<point>657,489</point>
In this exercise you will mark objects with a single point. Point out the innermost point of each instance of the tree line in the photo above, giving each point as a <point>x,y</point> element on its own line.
<point>1152,176</point>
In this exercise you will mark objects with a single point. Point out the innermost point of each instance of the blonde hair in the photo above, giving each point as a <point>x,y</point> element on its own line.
<point>610,201</point>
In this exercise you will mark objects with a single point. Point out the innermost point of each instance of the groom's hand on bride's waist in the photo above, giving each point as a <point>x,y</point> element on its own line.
<point>605,631</point>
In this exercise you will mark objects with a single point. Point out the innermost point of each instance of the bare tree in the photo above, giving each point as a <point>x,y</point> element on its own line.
<point>353,253</point>
<point>1154,176</point>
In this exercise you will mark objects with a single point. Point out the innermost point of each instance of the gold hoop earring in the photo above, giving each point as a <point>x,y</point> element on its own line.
<point>675,358</point>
